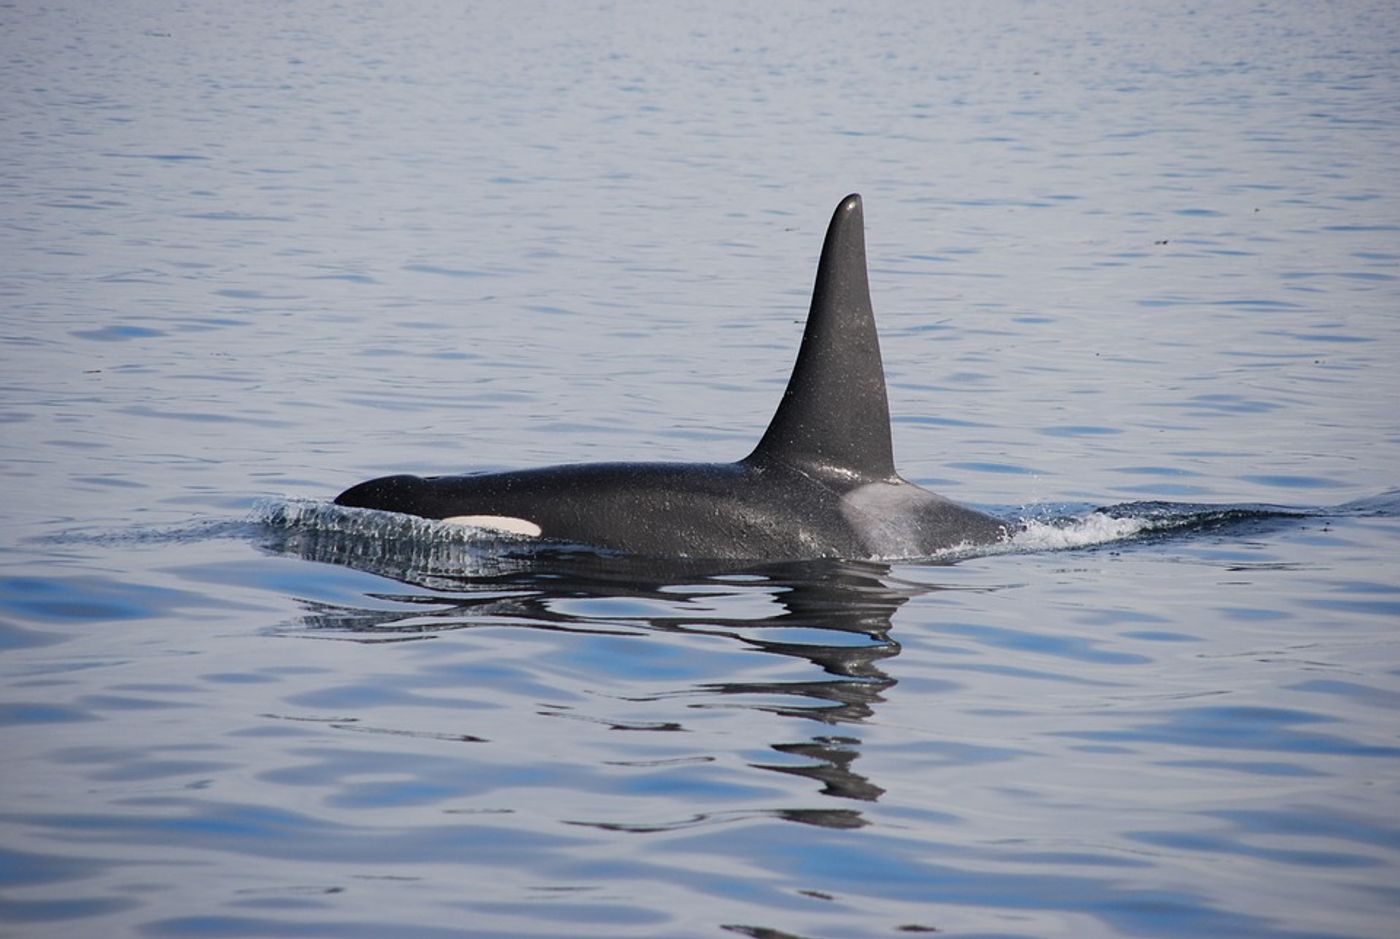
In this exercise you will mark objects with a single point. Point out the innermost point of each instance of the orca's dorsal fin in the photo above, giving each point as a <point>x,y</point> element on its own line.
<point>834,417</point>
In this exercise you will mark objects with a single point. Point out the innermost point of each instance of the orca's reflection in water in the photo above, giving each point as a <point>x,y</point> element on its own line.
<point>833,614</point>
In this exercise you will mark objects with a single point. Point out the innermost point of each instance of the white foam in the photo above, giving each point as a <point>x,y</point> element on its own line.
<point>404,547</point>
<point>1094,528</point>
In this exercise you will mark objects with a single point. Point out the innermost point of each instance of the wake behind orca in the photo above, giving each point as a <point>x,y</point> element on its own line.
<point>820,484</point>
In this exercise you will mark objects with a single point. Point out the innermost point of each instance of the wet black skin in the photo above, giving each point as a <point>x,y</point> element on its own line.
<point>821,482</point>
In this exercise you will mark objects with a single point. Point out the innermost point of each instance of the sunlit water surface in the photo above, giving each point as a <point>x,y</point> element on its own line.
<point>1138,260</point>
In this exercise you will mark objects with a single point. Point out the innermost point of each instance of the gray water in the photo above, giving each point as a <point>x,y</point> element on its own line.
<point>255,253</point>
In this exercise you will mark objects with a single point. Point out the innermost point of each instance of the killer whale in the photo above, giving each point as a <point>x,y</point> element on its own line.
<point>821,483</point>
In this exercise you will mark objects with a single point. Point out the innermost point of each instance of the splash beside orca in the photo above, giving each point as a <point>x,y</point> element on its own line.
<point>820,484</point>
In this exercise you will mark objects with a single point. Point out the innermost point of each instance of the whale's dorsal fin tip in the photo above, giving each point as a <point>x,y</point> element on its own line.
<point>834,417</point>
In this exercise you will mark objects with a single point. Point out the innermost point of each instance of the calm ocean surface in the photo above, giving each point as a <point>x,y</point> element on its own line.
<point>251,254</point>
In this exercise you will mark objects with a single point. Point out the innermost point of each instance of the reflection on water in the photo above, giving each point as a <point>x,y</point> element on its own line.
<point>834,614</point>
<point>750,740</point>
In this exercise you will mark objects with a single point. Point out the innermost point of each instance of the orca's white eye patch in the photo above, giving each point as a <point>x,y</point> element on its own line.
<point>502,523</point>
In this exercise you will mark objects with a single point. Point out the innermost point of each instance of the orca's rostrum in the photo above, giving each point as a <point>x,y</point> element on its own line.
<point>821,482</point>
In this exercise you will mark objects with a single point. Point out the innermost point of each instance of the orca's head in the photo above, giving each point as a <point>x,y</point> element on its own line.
<point>402,493</point>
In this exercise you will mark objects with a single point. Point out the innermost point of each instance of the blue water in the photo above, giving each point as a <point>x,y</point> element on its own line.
<point>1141,259</point>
